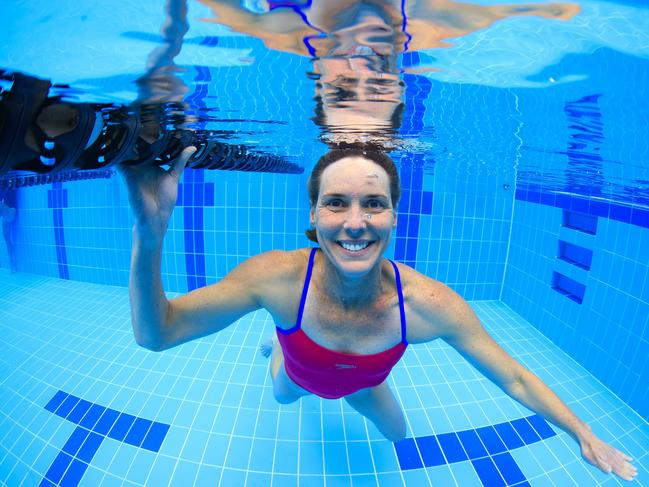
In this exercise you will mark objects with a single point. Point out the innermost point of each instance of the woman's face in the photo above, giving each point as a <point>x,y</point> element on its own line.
<point>353,216</point>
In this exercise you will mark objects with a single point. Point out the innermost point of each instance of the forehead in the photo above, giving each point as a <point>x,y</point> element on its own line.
<point>351,174</point>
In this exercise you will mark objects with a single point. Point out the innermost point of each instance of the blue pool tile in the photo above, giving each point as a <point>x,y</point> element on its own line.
<point>522,484</point>
<point>525,431</point>
<point>56,401</point>
<point>79,410</point>
<point>138,431</point>
<point>407,454</point>
<point>431,453</point>
<point>335,458</point>
<point>452,447</point>
<point>491,440</point>
<point>68,405</point>
<point>106,421</point>
<point>562,201</point>
<point>155,436</point>
<point>121,426</point>
<point>427,203</point>
<point>58,467</point>
<point>599,208</point>
<point>640,217</point>
<point>91,417</point>
<point>209,194</point>
<point>541,426</point>
<point>472,444</point>
<point>579,204</point>
<point>548,199</point>
<point>508,468</point>
<point>488,472</point>
<point>620,213</point>
<point>508,434</point>
<point>46,483</point>
<point>90,447</point>
<point>73,475</point>
<point>75,441</point>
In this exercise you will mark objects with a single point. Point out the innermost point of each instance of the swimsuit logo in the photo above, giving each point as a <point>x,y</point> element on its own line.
<point>345,366</point>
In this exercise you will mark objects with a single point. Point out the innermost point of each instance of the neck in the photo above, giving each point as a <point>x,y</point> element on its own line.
<point>352,291</point>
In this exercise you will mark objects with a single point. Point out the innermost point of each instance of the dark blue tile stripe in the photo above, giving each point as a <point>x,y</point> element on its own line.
<point>508,468</point>
<point>195,194</point>
<point>614,210</point>
<point>487,448</point>
<point>487,471</point>
<point>411,172</point>
<point>57,199</point>
<point>95,423</point>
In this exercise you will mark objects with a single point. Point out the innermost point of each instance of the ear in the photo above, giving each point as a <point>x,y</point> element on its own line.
<point>312,217</point>
<point>394,219</point>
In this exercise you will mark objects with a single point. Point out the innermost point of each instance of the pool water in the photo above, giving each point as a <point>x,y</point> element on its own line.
<point>525,188</point>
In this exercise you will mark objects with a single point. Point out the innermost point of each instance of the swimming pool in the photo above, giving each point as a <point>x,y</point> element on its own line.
<point>524,181</point>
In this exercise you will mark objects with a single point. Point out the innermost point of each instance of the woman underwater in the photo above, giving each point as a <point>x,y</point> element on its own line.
<point>357,312</point>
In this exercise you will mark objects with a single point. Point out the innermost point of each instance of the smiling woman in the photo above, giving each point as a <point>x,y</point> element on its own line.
<point>357,312</point>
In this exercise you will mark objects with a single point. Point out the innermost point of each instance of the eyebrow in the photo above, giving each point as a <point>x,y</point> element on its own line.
<point>341,195</point>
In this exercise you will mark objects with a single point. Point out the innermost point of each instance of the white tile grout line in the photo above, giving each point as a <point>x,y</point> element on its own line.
<point>514,186</point>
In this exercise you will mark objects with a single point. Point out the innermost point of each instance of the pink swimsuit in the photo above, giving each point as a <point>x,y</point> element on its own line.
<point>331,374</point>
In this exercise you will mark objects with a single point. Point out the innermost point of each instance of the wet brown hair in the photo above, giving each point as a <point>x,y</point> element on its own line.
<point>366,151</point>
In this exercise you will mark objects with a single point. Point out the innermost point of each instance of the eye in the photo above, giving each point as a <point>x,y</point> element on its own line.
<point>376,205</point>
<point>335,204</point>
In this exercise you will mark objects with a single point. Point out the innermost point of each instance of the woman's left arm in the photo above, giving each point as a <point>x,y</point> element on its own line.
<point>461,329</point>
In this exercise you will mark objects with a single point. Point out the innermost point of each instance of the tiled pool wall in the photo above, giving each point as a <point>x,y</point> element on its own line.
<point>607,332</point>
<point>577,265</point>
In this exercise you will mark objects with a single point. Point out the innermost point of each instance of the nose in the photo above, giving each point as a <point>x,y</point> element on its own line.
<point>355,223</point>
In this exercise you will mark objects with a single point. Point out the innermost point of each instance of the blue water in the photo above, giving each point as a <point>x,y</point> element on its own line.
<point>525,188</point>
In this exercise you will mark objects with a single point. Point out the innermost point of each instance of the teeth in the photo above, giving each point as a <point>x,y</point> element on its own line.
<point>353,247</point>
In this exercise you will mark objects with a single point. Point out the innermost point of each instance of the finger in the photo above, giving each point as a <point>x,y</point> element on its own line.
<point>178,166</point>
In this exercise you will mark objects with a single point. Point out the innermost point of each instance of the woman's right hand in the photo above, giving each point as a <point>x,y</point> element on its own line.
<point>152,193</point>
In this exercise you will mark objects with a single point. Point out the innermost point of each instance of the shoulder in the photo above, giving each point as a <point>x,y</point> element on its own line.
<point>274,264</point>
<point>274,273</point>
<point>433,308</point>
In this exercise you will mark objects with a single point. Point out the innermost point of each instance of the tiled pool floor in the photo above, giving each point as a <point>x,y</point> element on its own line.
<point>82,404</point>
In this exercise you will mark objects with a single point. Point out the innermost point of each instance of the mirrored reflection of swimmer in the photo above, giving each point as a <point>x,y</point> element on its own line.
<point>355,45</point>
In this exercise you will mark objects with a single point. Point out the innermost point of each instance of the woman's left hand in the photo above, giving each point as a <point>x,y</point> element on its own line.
<point>607,458</point>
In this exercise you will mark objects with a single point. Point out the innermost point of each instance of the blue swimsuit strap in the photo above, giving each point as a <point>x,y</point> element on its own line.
<point>402,310</point>
<point>305,290</point>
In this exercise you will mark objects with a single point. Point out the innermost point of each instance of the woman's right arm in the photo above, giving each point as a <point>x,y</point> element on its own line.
<point>158,323</point>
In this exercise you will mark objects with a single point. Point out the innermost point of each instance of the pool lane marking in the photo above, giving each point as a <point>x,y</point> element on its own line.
<point>57,199</point>
<point>487,448</point>
<point>414,200</point>
<point>95,423</point>
<point>194,194</point>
